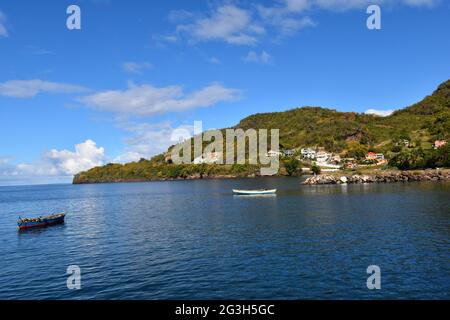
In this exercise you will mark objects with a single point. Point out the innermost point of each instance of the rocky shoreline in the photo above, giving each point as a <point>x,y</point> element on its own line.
<point>334,178</point>
<point>385,177</point>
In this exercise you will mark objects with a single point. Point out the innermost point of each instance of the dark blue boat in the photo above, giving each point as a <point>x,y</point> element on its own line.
<point>26,223</point>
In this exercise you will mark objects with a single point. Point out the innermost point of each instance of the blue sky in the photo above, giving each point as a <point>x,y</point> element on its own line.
<point>114,90</point>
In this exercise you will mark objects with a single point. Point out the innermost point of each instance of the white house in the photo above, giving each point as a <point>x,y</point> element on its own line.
<point>289,152</point>
<point>336,158</point>
<point>325,160</point>
<point>323,156</point>
<point>209,158</point>
<point>375,156</point>
<point>308,153</point>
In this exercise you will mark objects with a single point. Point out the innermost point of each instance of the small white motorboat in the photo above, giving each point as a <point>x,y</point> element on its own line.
<point>255,192</point>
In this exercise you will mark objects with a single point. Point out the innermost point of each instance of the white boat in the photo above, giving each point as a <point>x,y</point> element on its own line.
<point>254,192</point>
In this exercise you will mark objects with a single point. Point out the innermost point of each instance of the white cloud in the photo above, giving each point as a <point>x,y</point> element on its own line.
<point>55,163</point>
<point>30,88</point>
<point>227,23</point>
<point>128,156</point>
<point>289,26</point>
<point>263,57</point>
<point>381,113</point>
<point>247,23</point>
<point>3,30</point>
<point>422,3</point>
<point>86,156</point>
<point>147,100</point>
<point>287,17</point>
<point>297,5</point>
<point>214,60</point>
<point>283,8</point>
<point>136,67</point>
<point>64,162</point>
<point>5,166</point>
<point>246,26</point>
<point>147,140</point>
<point>343,5</point>
<point>162,40</point>
<point>176,16</point>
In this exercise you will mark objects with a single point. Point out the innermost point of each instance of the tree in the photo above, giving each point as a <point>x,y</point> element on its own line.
<point>396,148</point>
<point>415,159</point>
<point>356,150</point>
<point>316,169</point>
<point>291,165</point>
<point>440,157</point>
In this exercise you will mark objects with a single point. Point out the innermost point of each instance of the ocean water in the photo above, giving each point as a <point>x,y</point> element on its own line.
<point>195,240</point>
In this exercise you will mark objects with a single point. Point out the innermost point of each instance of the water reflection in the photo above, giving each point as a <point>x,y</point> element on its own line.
<point>237,196</point>
<point>40,230</point>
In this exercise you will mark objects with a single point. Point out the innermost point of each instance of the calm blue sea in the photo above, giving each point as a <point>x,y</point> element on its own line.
<point>195,240</point>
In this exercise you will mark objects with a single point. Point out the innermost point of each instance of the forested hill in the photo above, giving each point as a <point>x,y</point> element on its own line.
<point>426,120</point>
<point>348,133</point>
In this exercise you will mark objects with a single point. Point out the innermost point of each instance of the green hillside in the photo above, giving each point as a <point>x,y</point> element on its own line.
<point>426,120</point>
<point>347,133</point>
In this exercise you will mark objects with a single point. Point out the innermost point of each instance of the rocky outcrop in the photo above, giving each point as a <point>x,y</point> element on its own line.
<point>386,177</point>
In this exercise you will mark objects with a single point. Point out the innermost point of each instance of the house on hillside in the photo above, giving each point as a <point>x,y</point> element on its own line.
<point>336,159</point>
<point>375,156</point>
<point>371,156</point>
<point>439,143</point>
<point>308,153</point>
<point>378,157</point>
<point>403,142</point>
<point>350,165</point>
<point>209,158</point>
<point>324,160</point>
<point>289,152</point>
<point>323,156</point>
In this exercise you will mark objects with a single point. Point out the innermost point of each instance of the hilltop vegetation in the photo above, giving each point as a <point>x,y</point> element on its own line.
<point>348,133</point>
<point>422,122</point>
<point>157,169</point>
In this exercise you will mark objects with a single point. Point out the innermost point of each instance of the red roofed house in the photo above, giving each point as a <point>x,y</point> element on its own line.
<point>439,143</point>
<point>379,157</point>
<point>374,156</point>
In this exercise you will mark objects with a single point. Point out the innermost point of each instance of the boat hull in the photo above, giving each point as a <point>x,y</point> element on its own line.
<point>24,224</point>
<point>254,192</point>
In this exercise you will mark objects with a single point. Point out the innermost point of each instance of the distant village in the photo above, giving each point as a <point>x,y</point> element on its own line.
<point>328,161</point>
<point>318,156</point>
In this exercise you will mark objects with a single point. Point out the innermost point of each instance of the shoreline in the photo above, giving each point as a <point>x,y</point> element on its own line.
<point>339,177</point>
<point>432,175</point>
<point>218,177</point>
